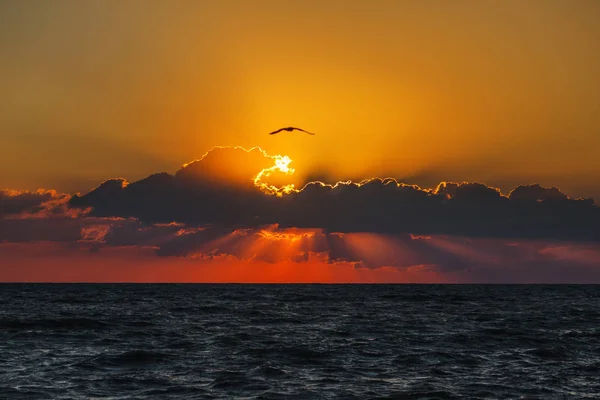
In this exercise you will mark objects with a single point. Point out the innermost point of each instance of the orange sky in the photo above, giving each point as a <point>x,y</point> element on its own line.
<point>501,92</point>
<point>47,262</point>
<point>505,93</point>
<point>483,262</point>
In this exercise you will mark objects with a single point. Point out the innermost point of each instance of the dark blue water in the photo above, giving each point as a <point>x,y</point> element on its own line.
<point>299,342</point>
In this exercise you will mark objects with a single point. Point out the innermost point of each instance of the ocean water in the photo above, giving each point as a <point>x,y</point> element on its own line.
<point>299,341</point>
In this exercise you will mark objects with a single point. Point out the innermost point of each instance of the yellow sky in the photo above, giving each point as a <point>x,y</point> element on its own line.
<point>504,92</point>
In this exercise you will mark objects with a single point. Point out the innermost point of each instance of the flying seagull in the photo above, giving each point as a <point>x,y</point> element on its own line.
<point>289,129</point>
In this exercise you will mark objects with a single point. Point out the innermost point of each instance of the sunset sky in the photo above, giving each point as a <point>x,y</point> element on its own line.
<point>501,93</point>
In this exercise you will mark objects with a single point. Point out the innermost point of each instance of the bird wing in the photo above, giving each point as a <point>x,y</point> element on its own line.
<point>277,131</point>
<point>310,133</point>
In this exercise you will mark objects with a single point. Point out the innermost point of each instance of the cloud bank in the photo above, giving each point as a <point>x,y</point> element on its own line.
<point>227,187</point>
<point>131,243</point>
<point>237,205</point>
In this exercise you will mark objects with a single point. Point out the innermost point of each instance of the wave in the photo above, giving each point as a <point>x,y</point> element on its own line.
<point>131,358</point>
<point>53,324</point>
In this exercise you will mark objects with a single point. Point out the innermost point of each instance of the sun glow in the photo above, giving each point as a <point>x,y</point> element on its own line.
<point>274,165</point>
<point>282,165</point>
<point>272,235</point>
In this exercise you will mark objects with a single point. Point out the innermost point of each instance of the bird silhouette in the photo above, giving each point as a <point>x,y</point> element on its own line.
<point>289,129</point>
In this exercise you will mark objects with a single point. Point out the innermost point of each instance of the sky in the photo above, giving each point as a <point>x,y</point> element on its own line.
<point>498,94</point>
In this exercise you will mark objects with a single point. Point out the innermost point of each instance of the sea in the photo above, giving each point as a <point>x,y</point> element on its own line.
<point>188,341</point>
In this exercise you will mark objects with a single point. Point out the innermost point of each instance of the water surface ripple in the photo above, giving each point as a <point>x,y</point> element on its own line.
<point>299,341</point>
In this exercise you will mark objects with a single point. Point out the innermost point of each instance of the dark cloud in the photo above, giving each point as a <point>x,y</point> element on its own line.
<point>64,229</point>
<point>37,204</point>
<point>454,259</point>
<point>15,202</point>
<point>34,229</point>
<point>218,188</point>
<point>221,189</point>
<point>533,193</point>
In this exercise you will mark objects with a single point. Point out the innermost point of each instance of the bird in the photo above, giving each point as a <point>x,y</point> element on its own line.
<point>289,129</point>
